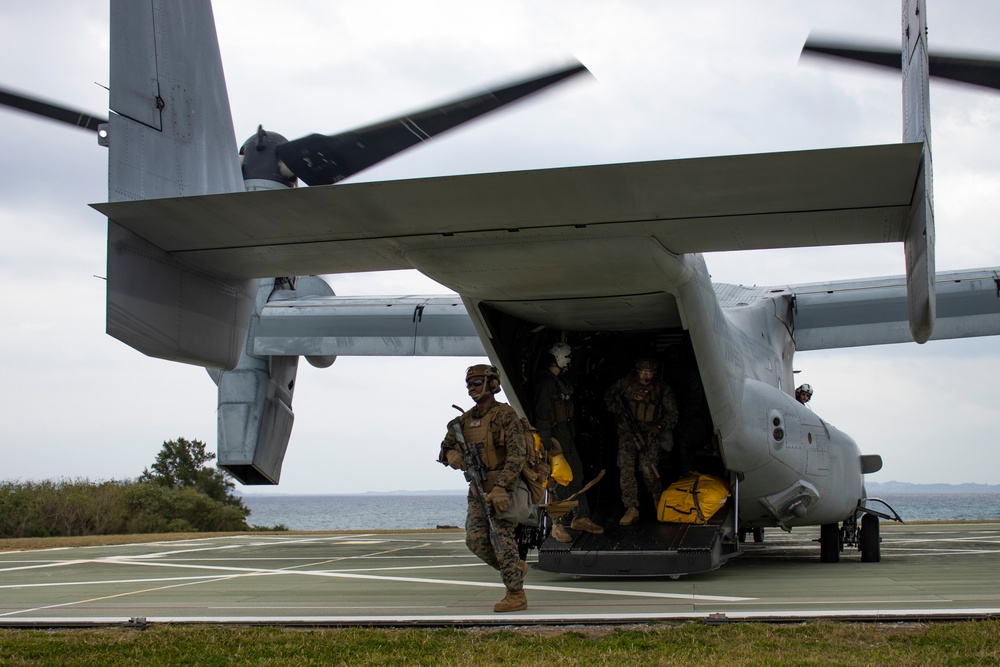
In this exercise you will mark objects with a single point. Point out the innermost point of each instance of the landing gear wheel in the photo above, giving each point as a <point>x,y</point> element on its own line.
<point>871,543</point>
<point>829,543</point>
<point>758,535</point>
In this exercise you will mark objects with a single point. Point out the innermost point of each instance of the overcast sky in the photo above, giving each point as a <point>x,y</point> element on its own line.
<point>671,80</point>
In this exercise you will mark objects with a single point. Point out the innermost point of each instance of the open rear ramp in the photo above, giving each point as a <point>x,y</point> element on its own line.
<point>647,549</point>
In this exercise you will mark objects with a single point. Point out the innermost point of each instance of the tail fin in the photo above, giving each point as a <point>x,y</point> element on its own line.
<point>916,65</point>
<point>171,134</point>
<point>919,243</point>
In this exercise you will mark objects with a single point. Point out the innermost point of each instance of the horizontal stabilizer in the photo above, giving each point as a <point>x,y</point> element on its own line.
<point>773,200</point>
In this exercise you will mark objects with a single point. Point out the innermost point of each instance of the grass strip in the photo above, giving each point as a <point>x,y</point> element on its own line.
<point>691,643</point>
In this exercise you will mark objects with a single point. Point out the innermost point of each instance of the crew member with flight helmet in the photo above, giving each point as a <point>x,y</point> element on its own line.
<point>803,393</point>
<point>646,414</point>
<point>495,429</point>
<point>553,419</point>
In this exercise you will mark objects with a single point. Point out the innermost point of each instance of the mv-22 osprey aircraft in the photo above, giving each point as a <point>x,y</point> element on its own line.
<point>213,256</point>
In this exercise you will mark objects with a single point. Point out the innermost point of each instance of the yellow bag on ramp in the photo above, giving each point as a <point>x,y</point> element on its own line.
<point>694,498</point>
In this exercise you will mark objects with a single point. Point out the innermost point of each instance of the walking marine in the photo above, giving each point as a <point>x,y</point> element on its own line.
<point>494,431</point>
<point>646,414</point>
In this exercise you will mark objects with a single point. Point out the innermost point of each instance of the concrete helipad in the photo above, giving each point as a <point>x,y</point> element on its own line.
<point>927,571</point>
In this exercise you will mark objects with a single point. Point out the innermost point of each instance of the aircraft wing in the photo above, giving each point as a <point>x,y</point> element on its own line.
<point>367,326</point>
<point>773,200</point>
<point>848,313</point>
<point>874,311</point>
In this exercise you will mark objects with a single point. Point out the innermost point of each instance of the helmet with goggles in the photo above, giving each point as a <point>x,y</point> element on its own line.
<point>487,372</point>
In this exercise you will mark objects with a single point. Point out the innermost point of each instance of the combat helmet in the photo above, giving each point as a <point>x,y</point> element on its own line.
<point>486,371</point>
<point>646,363</point>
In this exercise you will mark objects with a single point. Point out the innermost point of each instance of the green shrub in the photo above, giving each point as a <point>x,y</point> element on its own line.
<point>72,508</point>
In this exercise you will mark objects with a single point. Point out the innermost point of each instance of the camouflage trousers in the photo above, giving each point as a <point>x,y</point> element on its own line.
<point>477,538</point>
<point>647,459</point>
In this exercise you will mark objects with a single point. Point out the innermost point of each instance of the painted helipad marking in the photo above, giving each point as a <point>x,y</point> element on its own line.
<point>127,561</point>
<point>197,556</point>
<point>39,566</point>
<point>235,572</point>
<point>353,574</point>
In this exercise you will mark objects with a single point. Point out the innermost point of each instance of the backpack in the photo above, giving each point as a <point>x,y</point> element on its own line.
<point>536,465</point>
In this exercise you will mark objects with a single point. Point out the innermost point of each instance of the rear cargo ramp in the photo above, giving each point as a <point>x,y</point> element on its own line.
<point>650,549</point>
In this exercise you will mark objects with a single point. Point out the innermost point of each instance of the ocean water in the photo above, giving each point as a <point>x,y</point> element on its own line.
<point>357,512</point>
<point>943,506</point>
<point>395,512</point>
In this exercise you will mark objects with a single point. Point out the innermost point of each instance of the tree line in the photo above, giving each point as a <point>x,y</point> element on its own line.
<point>180,492</point>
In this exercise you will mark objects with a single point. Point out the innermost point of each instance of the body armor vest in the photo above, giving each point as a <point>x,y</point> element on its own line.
<point>562,402</point>
<point>481,432</point>
<point>643,401</point>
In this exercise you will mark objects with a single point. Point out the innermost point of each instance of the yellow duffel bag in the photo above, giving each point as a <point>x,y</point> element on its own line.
<point>694,498</point>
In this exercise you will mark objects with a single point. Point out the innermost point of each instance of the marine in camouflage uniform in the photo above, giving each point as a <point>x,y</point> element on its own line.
<point>495,429</point>
<point>553,418</point>
<point>653,409</point>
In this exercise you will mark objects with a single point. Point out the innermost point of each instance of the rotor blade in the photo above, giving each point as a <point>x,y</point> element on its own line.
<point>53,111</point>
<point>322,160</point>
<point>983,72</point>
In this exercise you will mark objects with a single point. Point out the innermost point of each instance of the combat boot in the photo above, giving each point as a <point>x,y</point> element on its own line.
<point>631,516</point>
<point>560,533</point>
<point>513,601</point>
<point>587,526</point>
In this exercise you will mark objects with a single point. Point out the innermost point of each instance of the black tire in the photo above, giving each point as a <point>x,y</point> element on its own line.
<point>829,543</point>
<point>758,535</point>
<point>871,542</point>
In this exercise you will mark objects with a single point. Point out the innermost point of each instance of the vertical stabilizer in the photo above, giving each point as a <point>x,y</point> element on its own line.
<point>919,243</point>
<point>171,134</point>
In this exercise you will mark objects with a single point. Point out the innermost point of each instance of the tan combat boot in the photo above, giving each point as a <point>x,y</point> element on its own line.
<point>560,533</point>
<point>513,601</point>
<point>587,526</point>
<point>631,516</point>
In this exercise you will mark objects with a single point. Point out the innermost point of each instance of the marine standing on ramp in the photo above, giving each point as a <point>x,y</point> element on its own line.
<point>494,430</point>
<point>646,412</point>
<point>553,417</point>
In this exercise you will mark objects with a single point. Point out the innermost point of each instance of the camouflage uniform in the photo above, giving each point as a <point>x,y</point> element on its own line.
<point>655,411</point>
<point>491,432</point>
<point>553,417</point>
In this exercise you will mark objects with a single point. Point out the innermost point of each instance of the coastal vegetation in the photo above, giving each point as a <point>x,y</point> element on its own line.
<point>179,492</point>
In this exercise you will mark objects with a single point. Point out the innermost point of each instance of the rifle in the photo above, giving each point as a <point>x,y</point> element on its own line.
<point>475,473</point>
<point>633,425</point>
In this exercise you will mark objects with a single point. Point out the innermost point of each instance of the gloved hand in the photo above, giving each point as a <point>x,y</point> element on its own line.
<point>455,459</point>
<point>498,496</point>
